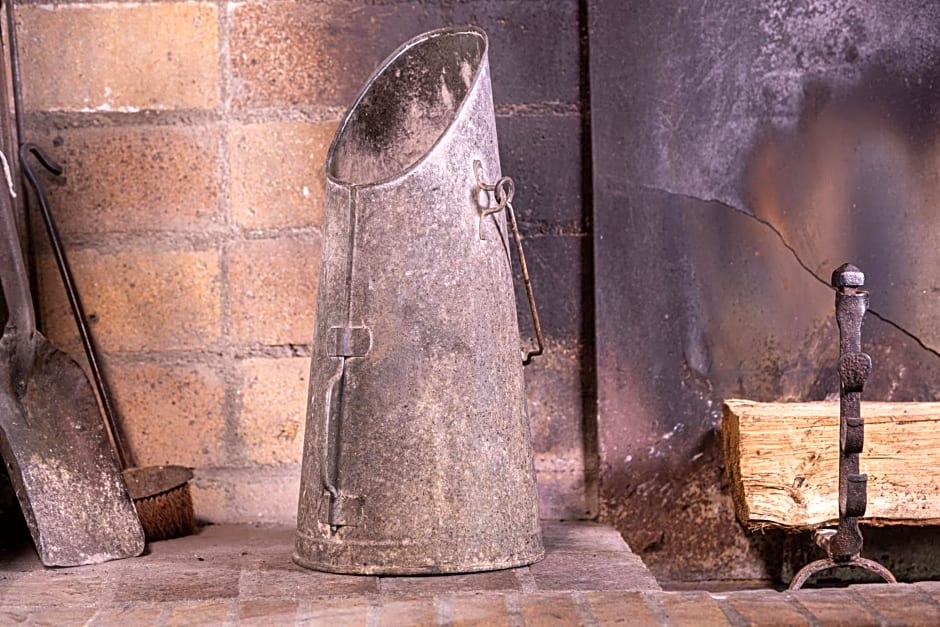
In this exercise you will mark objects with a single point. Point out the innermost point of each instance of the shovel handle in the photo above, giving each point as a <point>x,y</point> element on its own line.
<point>16,294</point>
<point>71,291</point>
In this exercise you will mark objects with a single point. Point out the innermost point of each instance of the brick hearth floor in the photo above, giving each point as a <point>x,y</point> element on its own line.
<point>243,575</point>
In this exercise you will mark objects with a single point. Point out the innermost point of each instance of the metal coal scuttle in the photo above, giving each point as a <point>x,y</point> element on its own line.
<point>417,456</point>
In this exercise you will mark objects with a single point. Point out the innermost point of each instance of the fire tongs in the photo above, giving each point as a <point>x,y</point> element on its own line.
<point>844,544</point>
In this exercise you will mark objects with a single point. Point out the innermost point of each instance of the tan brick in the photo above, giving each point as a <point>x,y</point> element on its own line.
<point>900,604</point>
<point>171,414</point>
<point>210,500</point>
<point>620,608</point>
<point>266,499</point>
<point>480,609</point>
<point>120,57</point>
<point>49,617</point>
<point>835,607</point>
<point>549,609</point>
<point>131,179</point>
<point>138,300</point>
<point>692,609</point>
<point>408,612</point>
<point>759,606</point>
<point>274,290</point>
<point>123,616</point>
<point>59,587</point>
<point>266,613</point>
<point>274,400</point>
<point>278,173</point>
<point>199,614</point>
<point>289,581</point>
<point>285,54</point>
<point>470,582</point>
<point>173,582</point>
<point>336,613</point>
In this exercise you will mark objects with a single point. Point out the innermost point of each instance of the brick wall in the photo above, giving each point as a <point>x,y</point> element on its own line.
<point>193,135</point>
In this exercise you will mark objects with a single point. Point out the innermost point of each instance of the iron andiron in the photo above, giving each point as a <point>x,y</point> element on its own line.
<point>843,545</point>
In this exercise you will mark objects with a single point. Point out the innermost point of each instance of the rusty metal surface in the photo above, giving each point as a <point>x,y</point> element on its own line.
<point>417,453</point>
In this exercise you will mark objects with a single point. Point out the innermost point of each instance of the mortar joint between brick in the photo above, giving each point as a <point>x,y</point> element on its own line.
<point>654,603</point>
<point>513,604</point>
<point>804,611</point>
<point>734,617</point>
<point>444,604</point>
<point>585,615</point>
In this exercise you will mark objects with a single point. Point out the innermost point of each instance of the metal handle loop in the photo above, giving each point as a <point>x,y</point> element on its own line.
<point>503,191</point>
<point>325,450</point>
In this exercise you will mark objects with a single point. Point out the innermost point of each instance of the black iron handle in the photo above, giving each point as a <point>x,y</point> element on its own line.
<point>75,302</point>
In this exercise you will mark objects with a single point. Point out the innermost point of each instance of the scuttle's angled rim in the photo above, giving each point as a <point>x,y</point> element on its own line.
<point>411,43</point>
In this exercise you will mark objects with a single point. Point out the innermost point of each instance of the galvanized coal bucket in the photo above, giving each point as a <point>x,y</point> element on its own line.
<point>417,456</point>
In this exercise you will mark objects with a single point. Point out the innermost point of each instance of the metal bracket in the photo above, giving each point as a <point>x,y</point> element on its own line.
<point>342,510</point>
<point>349,341</point>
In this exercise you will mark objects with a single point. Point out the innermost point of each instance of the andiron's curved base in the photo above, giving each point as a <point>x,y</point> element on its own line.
<point>825,564</point>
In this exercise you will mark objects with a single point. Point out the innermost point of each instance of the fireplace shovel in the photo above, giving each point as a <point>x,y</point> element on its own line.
<point>51,435</point>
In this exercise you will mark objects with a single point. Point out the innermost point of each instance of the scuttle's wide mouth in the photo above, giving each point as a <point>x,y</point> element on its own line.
<point>407,106</point>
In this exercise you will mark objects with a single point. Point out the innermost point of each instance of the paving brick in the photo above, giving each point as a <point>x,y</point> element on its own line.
<point>293,582</point>
<point>274,399</point>
<point>60,587</point>
<point>581,537</point>
<point>338,613</point>
<point>542,154</point>
<point>49,617</point>
<point>900,604</point>
<point>172,582</point>
<point>931,588</point>
<point>400,612</point>
<point>274,290</point>
<point>691,609</point>
<point>263,612</point>
<point>266,499</point>
<point>834,607</point>
<point>171,414</point>
<point>472,582</point>
<point>278,173</point>
<point>759,606</point>
<point>480,609</point>
<point>130,615</point>
<point>620,608</point>
<point>592,571</point>
<point>137,300</point>
<point>298,53</point>
<point>121,56</point>
<point>131,179</point>
<point>549,609</point>
<point>199,614</point>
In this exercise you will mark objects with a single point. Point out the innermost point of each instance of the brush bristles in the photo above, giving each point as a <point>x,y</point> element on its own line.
<point>167,515</point>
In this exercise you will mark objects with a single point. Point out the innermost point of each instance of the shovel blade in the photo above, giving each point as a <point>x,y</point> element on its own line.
<point>63,468</point>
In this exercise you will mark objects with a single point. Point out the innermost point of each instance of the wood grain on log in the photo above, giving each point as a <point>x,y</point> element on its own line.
<point>783,462</point>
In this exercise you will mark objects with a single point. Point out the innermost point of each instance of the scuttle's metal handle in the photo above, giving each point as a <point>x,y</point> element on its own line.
<point>503,191</point>
<point>325,449</point>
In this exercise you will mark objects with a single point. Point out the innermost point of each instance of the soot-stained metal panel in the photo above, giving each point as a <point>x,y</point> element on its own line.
<point>741,151</point>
